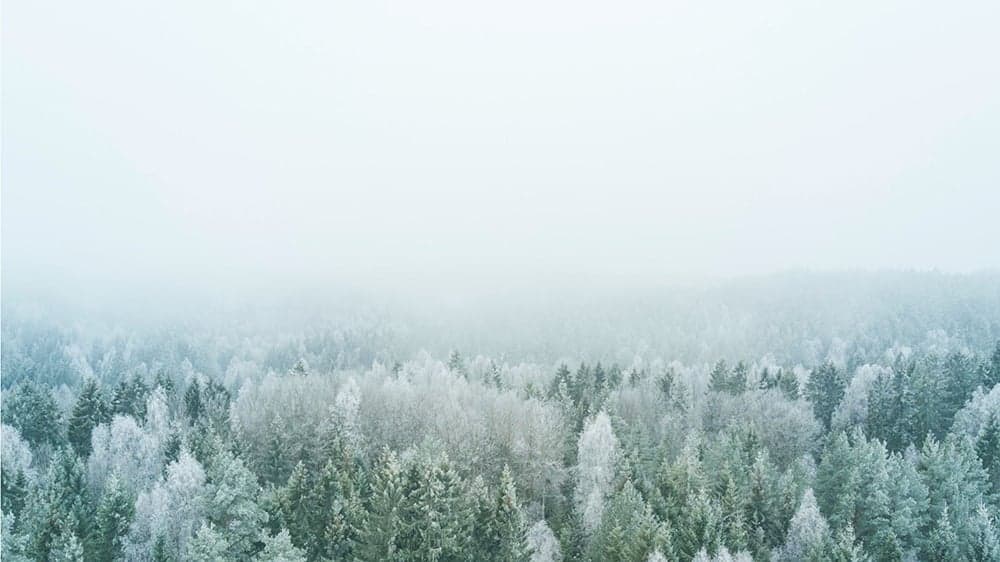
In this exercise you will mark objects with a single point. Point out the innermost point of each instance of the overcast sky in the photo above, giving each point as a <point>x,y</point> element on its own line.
<point>208,141</point>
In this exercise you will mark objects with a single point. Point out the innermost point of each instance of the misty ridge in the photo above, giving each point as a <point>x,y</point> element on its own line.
<point>522,281</point>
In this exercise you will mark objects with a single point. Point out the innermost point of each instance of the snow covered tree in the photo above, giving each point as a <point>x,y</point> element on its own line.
<point>542,543</point>
<point>597,452</point>
<point>279,548</point>
<point>30,408</point>
<point>232,507</point>
<point>808,535</point>
<point>208,545</point>
<point>170,512</point>
<point>111,522</point>
<point>824,389</point>
<point>629,531</point>
<point>383,524</point>
<point>90,409</point>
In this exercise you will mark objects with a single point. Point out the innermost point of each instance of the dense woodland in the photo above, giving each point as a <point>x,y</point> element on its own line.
<point>806,418</point>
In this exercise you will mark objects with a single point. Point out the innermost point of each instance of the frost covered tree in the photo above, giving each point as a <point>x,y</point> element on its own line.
<point>808,535</point>
<point>543,544</point>
<point>169,514</point>
<point>111,522</point>
<point>89,411</point>
<point>597,452</point>
<point>279,548</point>
<point>208,545</point>
<point>231,505</point>
<point>825,389</point>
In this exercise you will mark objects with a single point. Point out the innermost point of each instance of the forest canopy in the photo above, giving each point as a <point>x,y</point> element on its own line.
<point>797,417</point>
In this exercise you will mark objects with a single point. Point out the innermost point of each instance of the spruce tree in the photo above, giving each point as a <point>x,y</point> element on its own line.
<point>111,522</point>
<point>89,411</point>
<point>382,527</point>
<point>825,389</point>
<point>192,401</point>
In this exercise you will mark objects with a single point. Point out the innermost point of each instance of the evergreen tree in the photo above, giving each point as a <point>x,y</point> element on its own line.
<point>381,531</point>
<point>838,481</point>
<point>629,530</point>
<point>232,507</point>
<point>13,492</point>
<point>111,522</point>
<point>508,524</point>
<point>718,379</point>
<point>825,389</point>
<point>991,370</point>
<point>988,449</point>
<point>192,401</point>
<point>456,364</point>
<point>957,485</point>
<point>943,541</point>
<point>89,411</point>
<point>808,535</point>
<point>59,510</point>
<point>31,409</point>
<point>788,383</point>
<point>208,545</point>
<point>130,396</point>
<point>279,548</point>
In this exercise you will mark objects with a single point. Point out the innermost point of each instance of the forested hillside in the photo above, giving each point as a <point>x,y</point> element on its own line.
<point>841,417</point>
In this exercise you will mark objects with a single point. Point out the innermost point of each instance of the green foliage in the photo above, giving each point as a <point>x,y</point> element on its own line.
<point>31,409</point>
<point>89,411</point>
<point>111,522</point>
<point>825,389</point>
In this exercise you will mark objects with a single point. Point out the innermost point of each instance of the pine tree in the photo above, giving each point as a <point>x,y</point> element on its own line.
<point>13,492</point>
<point>986,545</point>
<point>511,545</point>
<point>718,379</point>
<point>738,378</point>
<point>788,383</point>
<point>825,389</point>
<point>112,520</point>
<point>31,409</point>
<point>338,511</point>
<point>991,371</point>
<point>294,506</point>
<point>129,398</point>
<point>838,482</point>
<point>160,551</point>
<point>629,530</point>
<point>208,545</point>
<point>67,546</point>
<point>380,534</point>
<point>192,401</point>
<point>455,363</point>
<point>845,548</point>
<point>988,450</point>
<point>279,548</point>
<point>60,507</point>
<point>89,411</point>
<point>232,507</point>
<point>956,483</point>
<point>808,534</point>
<point>943,541</point>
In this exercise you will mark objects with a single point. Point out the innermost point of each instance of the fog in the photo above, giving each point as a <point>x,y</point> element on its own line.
<point>217,145</point>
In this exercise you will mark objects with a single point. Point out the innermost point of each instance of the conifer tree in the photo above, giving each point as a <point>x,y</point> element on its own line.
<point>279,548</point>
<point>111,522</point>
<point>208,545</point>
<point>824,389</point>
<point>381,532</point>
<point>192,401</point>
<point>89,411</point>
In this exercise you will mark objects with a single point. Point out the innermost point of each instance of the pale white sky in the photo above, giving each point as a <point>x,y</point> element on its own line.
<point>212,141</point>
